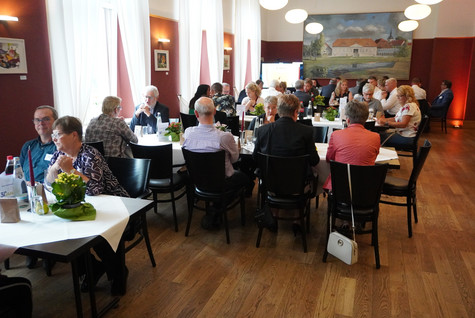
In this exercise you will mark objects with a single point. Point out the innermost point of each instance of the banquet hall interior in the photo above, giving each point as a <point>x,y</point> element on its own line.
<point>431,274</point>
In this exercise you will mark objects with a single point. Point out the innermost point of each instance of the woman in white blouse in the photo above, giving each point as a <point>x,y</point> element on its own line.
<point>253,97</point>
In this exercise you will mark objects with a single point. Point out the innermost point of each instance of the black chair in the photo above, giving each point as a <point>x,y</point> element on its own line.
<point>370,125</point>
<point>233,124</point>
<point>99,145</point>
<point>367,184</point>
<point>207,183</point>
<point>221,117</point>
<point>284,182</point>
<point>400,187</point>
<point>162,178</point>
<point>415,144</point>
<point>305,121</point>
<point>320,134</point>
<point>440,114</point>
<point>133,175</point>
<point>188,120</point>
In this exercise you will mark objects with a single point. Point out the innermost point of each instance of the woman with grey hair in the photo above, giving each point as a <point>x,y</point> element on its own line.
<point>374,105</point>
<point>270,106</point>
<point>111,129</point>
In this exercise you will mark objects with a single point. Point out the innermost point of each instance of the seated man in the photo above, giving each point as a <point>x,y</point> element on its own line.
<point>111,130</point>
<point>442,102</point>
<point>206,138</point>
<point>374,105</point>
<point>42,147</point>
<point>354,145</point>
<point>147,112</point>
<point>224,103</point>
<point>328,90</point>
<point>271,90</point>
<point>389,99</point>
<point>301,94</point>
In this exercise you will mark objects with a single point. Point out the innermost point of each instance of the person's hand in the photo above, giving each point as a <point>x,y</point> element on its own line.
<point>381,121</point>
<point>144,108</point>
<point>65,163</point>
<point>384,95</point>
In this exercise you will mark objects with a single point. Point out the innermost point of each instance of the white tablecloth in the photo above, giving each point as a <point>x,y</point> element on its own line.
<point>152,140</point>
<point>111,219</point>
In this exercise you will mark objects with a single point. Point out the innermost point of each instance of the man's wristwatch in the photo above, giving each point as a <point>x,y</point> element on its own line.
<point>72,171</point>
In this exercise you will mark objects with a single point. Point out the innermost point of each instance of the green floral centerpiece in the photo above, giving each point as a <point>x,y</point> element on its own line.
<point>318,100</point>
<point>330,113</point>
<point>173,130</point>
<point>222,127</point>
<point>70,191</point>
<point>258,109</point>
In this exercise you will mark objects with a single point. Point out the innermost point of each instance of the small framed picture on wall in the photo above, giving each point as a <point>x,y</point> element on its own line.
<point>227,62</point>
<point>12,56</point>
<point>162,61</point>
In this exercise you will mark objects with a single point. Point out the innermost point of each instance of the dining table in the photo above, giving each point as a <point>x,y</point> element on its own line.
<point>156,140</point>
<point>50,237</point>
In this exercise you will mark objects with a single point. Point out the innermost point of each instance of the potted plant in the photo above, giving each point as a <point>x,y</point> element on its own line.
<point>258,109</point>
<point>330,113</point>
<point>173,130</point>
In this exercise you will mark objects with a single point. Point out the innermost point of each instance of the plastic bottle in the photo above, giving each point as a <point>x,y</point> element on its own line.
<point>10,166</point>
<point>19,183</point>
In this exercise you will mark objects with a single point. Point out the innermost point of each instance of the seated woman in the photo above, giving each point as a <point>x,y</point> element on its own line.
<point>270,106</point>
<point>341,91</point>
<point>202,91</point>
<point>406,121</point>
<point>86,161</point>
<point>253,98</point>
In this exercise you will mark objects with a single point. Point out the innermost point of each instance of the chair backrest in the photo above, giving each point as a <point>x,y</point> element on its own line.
<point>221,117</point>
<point>420,129</point>
<point>233,124</point>
<point>206,169</point>
<point>370,125</point>
<point>366,184</point>
<point>132,174</point>
<point>320,134</point>
<point>99,145</point>
<point>423,106</point>
<point>161,166</point>
<point>284,176</point>
<point>188,120</point>
<point>419,162</point>
<point>306,121</point>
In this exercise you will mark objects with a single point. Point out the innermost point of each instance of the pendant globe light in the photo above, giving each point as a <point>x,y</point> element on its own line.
<point>417,11</point>
<point>428,2</point>
<point>408,25</point>
<point>273,4</point>
<point>314,28</point>
<point>296,16</point>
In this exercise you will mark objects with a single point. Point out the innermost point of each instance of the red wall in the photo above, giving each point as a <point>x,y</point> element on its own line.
<point>19,98</point>
<point>433,60</point>
<point>166,81</point>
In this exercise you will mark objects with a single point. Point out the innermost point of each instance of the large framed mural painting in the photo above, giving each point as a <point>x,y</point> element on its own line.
<point>356,46</point>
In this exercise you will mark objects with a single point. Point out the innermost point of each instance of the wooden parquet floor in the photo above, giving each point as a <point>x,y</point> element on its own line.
<point>431,274</point>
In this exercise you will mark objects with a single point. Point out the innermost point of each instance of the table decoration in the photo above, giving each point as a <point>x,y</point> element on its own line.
<point>222,127</point>
<point>318,100</point>
<point>258,110</point>
<point>70,192</point>
<point>330,113</point>
<point>173,131</point>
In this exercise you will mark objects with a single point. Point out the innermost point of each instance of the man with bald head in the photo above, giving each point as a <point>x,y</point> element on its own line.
<point>389,99</point>
<point>206,138</point>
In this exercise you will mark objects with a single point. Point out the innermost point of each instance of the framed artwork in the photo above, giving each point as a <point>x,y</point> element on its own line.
<point>12,56</point>
<point>162,62</point>
<point>357,46</point>
<point>227,62</point>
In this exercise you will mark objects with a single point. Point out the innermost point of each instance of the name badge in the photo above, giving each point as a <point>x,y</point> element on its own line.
<point>48,156</point>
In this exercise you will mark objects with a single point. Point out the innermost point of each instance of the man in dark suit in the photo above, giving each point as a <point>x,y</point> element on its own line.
<point>328,90</point>
<point>286,137</point>
<point>147,112</point>
<point>442,102</point>
<point>301,94</point>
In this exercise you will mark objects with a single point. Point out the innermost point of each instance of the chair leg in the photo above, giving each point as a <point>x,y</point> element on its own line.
<point>308,216</point>
<point>259,236</point>
<point>325,253</point>
<point>172,195</point>
<point>374,238</point>
<point>226,227</point>
<point>155,202</point>
<point>190,214</point>
<point>243,209</point>
<point>147,239</point>
<point>304,234</point>
<point>6,263</point>
<point>409,221</point>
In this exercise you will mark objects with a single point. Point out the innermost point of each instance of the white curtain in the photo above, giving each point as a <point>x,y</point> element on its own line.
<point>213,24</point>
<point>247,27</point>
<point>134,23</point>
<point>195,16</point>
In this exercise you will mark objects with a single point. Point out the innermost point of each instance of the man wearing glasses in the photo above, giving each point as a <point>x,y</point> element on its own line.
<point>42,147</point>
<point>146,113</point>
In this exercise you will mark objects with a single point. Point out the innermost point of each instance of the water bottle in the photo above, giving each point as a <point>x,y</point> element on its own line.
<point>309,109</point>
<point>301,111</point>
<point>159,122</point>
<point>10,166</point>
<point>19,182</point>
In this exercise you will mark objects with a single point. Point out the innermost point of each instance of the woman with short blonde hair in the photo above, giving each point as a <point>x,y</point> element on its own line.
<point>253,98</point>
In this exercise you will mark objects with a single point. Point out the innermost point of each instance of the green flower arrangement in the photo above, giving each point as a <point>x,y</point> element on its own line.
<point>70,191</point>
<point>258,109</point>
<point>173,130</point>
<point>330,113</point>
<point>318,100</point>
<point>222,127</point>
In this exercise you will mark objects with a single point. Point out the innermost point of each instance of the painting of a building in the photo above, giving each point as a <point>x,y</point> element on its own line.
<point>354,47</point>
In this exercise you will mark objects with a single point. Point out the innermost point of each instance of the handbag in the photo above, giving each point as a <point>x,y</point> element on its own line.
<point>340,246</point>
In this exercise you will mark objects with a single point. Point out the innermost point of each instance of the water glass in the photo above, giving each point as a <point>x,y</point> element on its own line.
<point>37,205</point>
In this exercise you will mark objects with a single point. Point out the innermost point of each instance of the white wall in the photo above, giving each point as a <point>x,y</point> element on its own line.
<point>450,18</point>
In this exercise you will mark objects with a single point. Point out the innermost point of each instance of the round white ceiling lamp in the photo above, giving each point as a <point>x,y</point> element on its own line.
<point>408,25</point>
<point>314,28</point>
<point>296,16</point>
<point>429,2</point>
<point>273,4</point>
<point>417,11</point>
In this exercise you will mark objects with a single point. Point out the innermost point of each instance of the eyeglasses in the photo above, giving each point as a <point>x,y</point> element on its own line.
<point>119,107</point>
<point>399,95</point>
<point>56,135</point>
<point>38,121</point>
